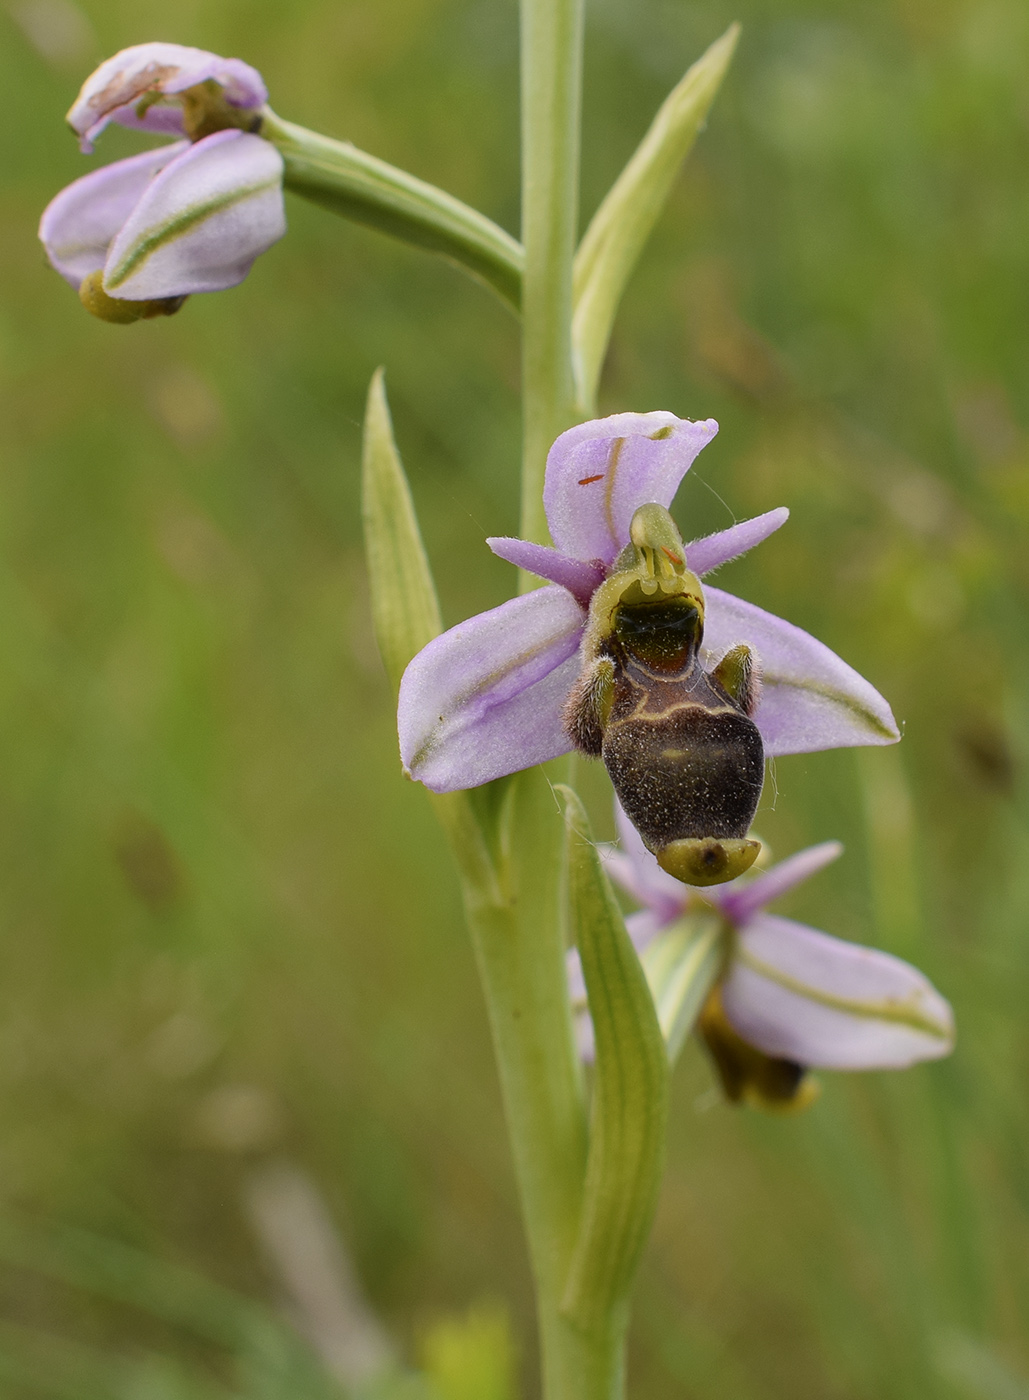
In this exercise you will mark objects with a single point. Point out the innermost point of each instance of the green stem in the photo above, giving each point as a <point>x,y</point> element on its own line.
<point>521,968</point>
<point>350,182</point>
<point>514,912</point>
<point>551,104</point>
<point>518,925</point>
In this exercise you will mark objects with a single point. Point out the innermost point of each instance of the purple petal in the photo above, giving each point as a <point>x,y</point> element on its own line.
<point>639,874</point>
<point>79,223</point>
<point>485,699</point>
<point>576,980</point>
<point>585,1041</point>
<point>620,869</point>
<point>663,904</point>
<point>740,901</point>
<point>714,550</point>
<point>810,699</point>
<point>800,995</point>
<point>601,471</point>
<point>201,222</point>
<point>582,1024</point>
<point>162,119</point>
<point>643,927</point>
<point>581,579</point>
<point>114,91</point>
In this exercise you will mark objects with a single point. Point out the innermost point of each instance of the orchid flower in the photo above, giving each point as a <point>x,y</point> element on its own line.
<point>488,697</point>
<point>135,237</point>
<point>788,998</point>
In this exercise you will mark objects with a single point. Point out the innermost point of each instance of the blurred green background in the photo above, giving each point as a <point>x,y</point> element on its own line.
<point>231,936</point>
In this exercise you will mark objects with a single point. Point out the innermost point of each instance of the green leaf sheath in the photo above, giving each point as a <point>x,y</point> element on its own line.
<point>405,611</point>
<point>621,226</point>
<point>369,191</point>
<point>517,931</point>
<point>630,1094</point>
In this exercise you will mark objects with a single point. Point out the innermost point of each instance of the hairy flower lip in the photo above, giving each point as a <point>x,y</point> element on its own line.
<point>116,90</point>
<point>598,475</point>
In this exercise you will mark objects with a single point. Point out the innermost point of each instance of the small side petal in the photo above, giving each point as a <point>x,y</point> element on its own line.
<point>599,473</point>
<point>114,91</point>
<point>810,698</point>
<point>581,579</point>
<point>79,224</point>
<point>201,223</point>
<point>740,900</point>
<point>714,550</point>
<point>800,995</point>
<point>485,698</point>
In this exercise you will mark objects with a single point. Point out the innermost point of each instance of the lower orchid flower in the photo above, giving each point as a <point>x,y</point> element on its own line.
<point>787,998</point>
<point>136,237</point>
<point>625,654</point>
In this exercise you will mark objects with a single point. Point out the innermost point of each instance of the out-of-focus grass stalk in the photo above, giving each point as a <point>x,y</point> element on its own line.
<point>945,1278</point>
<point>612,244</point>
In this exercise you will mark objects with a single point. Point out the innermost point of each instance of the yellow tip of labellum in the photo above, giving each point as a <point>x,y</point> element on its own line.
<point>118,311</point>
<point>707,860</point>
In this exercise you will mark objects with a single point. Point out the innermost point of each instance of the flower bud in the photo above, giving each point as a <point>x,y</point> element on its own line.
<point>167,223</point>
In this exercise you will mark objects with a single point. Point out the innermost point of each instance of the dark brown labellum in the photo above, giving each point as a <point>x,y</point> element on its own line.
<point>685,758</point>
<point>691,770</point>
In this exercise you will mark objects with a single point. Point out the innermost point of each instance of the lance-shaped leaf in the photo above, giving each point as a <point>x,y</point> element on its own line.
<point>370,191</point>
<point>681,966</point>
<point>630,1091</point>
<point>623,223</point>
<point>405,611</point>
